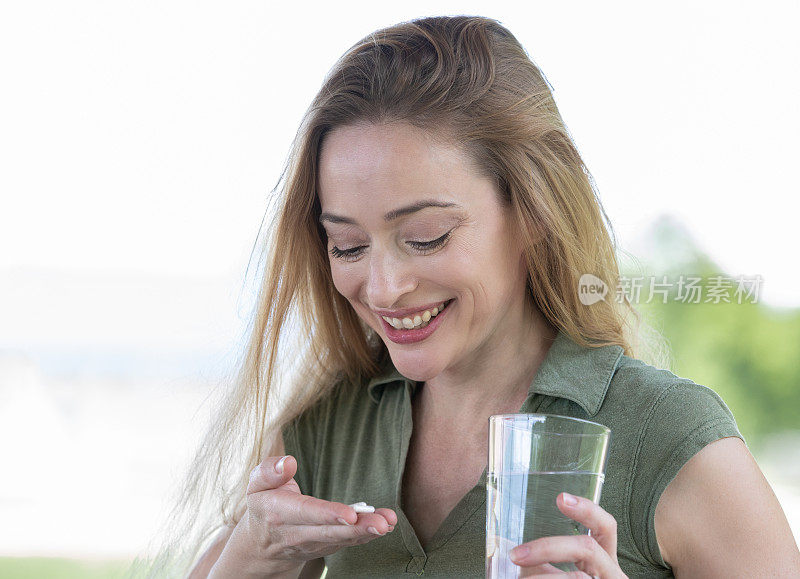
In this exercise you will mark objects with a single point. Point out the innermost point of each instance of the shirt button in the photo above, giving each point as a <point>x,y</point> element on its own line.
<point>416,565</point>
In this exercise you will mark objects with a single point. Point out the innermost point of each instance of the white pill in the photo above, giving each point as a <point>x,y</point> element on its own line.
<point>362,508</point>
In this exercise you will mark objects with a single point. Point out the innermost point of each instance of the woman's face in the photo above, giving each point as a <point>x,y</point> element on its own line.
<point>411,224</point>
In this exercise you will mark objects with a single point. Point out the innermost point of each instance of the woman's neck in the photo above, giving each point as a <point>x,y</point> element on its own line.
<point>496,384</point>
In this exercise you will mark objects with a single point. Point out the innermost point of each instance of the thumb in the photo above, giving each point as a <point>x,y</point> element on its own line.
<point>272,473</point>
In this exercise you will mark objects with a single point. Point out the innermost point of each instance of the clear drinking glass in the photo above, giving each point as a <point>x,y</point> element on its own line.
<point>533,458</point>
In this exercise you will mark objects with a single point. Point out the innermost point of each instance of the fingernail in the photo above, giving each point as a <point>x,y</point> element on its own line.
<point>391,527</point>
<point>279,465</point>
<point>343,522</point>
<point>374,531</point>
<point>569,500</point>
<point>518,553</point>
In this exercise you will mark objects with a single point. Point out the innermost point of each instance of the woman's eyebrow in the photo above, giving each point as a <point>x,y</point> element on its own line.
<point>392,215</point>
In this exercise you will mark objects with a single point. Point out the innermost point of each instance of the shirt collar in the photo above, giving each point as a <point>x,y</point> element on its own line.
<point>577,373</point>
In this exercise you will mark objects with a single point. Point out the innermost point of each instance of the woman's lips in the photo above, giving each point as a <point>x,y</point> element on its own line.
<point>416,334</point>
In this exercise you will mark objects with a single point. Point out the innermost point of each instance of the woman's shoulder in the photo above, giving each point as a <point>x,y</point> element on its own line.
<point>657,392</point>
<point>659,419</point>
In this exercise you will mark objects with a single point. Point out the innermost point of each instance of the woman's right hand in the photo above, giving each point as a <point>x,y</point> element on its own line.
<point>282,528</point>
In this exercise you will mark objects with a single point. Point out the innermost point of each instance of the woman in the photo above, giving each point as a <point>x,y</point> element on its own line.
<point>435,220</point>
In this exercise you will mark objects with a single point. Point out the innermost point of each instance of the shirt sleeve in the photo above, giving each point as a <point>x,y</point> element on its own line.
<point>683,420</point>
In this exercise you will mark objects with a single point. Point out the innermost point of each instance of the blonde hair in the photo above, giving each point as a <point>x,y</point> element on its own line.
<point>464,77</point>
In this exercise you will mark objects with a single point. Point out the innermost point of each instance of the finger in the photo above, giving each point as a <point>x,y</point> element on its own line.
<point>388,514</point>
<point>564,575</point>
<point>601,524</point>
<point>380,519</point>
<point>325,539</point>
<point>582,550</point>
<point>289,507</point>
<point>332,532</point>
<point>272,473</point>
<point>499,550</point>
<point>545,570</point>
<point>374,523</point>
<point>567,575</point>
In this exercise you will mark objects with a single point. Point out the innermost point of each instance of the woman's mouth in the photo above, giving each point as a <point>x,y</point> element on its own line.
<point>411,329</point>
<point>418,320</point>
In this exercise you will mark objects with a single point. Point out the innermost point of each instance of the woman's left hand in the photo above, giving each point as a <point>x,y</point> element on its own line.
<point>595,555</point>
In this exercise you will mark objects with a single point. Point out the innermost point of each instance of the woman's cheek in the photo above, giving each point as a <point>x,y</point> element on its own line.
<point>345,282</point>
<point>338,278</point>
<point>457,261</point>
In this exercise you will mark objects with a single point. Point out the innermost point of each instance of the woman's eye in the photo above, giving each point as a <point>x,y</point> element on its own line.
<point>354,253</point>
<point>346,254</point>
<point>430,245</point>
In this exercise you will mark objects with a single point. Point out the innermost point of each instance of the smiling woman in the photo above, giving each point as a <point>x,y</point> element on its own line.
<point>434,223</point>
<point>401,257</point>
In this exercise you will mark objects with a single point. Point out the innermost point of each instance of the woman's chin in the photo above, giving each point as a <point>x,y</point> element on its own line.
<point>417,368</point>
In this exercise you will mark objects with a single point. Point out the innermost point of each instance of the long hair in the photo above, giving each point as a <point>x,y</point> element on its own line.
<point>464,77</point>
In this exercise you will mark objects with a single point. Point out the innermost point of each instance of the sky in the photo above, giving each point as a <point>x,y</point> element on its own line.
<point>145,137</point>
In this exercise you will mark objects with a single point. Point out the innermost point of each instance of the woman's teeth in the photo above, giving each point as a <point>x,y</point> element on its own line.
<point>419,320</point>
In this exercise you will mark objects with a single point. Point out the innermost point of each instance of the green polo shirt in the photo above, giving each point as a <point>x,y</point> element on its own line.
<point>352,446</point>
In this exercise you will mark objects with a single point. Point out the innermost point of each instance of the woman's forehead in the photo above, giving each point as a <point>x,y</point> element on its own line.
<point>388,167</point>
<point>368,149</point>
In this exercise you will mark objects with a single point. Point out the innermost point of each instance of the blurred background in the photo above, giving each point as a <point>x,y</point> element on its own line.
<point>138,146</point>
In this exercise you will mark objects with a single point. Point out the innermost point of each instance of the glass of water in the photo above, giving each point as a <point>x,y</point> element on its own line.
<point>532,459</point>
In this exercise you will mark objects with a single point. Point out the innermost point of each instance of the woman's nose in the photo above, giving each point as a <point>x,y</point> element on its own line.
<point>389,279</point>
